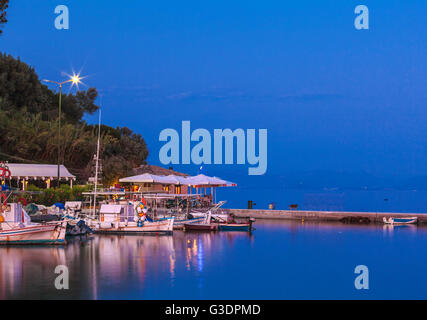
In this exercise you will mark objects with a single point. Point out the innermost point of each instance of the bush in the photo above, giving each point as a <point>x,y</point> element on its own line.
<point>50,196</point>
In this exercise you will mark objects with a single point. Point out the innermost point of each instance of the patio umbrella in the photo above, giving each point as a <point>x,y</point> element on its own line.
<point>228,183</point>
<point>177,179</point>
<point>203,180</point>
<point>142,178</point>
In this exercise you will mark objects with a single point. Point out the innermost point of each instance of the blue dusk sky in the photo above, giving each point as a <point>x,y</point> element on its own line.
<point>332,97</point>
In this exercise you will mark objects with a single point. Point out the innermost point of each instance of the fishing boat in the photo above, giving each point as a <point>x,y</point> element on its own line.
<point>231,225</point>
<point>123,219</point>
<point>76,220</point>
<point>205,225</point>
<point>199,227</point>
<point>78,228</point>
<point>165,206</point>
<point>16,228</point>
<point>215,212</point>
<point>179,223</point>
<point>400,220</point>
<point>247,227</point>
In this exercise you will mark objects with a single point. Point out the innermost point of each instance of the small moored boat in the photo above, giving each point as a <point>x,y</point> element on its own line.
<point>206,225</point>
<point>235,227</point>
<point>400,220</point>
<point>179,223</point>
<point>122,219</point>
<point>232,225</point>
<point>16,228</point>
<point>199,227</point>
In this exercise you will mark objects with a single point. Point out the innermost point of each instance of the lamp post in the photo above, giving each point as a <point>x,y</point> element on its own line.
<point>75,79</point>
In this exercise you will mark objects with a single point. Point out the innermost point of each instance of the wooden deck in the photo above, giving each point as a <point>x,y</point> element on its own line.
<point>344,216</point>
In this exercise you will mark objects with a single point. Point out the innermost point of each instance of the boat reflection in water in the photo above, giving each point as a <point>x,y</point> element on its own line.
<point>107,266</point>
<point>388,229</point>
<point>21,266</point>
<point>280,260</point>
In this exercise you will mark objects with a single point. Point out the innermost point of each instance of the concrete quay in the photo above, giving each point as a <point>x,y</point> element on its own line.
<point>343,216</point>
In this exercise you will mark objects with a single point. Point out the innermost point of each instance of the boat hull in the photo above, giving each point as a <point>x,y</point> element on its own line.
<point>53,233</point>
<point>395,220</point>
<point>134,232</point>
<point>148,228</point>
<point>179,224</point>
<point>199,227</point>
<point>235,227</point>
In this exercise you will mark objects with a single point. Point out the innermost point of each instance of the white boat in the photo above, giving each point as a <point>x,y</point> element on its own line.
<point>76,220</point>
<point>123,219</point>
<point>205,225</point>
<point>16,228</point>
<point>179,223</point>
<point>215,212</point>
<point>400,220</point>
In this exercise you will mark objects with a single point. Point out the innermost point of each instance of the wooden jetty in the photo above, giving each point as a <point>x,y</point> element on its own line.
<point>343,216</point>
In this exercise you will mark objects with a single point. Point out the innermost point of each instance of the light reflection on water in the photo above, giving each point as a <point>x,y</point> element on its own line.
<point>280,260</point>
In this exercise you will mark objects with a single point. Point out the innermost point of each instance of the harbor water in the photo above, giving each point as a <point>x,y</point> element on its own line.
<point>279,260</point>
<point>335,200</point>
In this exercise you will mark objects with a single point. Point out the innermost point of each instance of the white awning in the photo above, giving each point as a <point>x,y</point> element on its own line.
<point>142,178</point>
<point>150,178</point>
<point>202,180</point>
<point>178,179</point>
<point>166,180</point>
<point>229,183</point>
<point>199,180</point>
<point>45,171</point>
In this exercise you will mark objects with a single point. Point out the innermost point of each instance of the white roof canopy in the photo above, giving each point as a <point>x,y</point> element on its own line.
<point>178,179</point>
<point>229,183</point>
<point>203,180</point>
<point>151,178</point>
<point>199,180</point>
<point>24,170</point>
<point>142,178</point>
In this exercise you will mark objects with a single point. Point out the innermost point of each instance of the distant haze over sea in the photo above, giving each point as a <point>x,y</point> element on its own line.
<point>315,179</point>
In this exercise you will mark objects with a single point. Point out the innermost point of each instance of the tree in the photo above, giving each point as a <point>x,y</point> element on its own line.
<point>20,87</point>
<point>28,127</point>
<point>3,6</point>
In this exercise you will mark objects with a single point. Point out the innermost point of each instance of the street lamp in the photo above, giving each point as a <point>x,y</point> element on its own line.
<point>75,79</point>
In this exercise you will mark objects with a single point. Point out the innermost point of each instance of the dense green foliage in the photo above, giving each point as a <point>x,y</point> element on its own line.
<point>28,127</point>
<point>51,196</point>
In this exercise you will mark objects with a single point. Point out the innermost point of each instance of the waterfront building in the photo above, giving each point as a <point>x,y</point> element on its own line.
<point>171,188</point>
<point>22,173</point>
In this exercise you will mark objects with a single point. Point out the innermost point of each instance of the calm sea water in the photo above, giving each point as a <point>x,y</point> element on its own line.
<point>280,260</point>
<point>344,200</point>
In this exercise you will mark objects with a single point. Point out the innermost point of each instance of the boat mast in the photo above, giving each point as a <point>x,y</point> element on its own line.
<point>97,160</point>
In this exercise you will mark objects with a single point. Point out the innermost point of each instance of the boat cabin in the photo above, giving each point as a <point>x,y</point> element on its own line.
<point>14,213</point>
<point>117,213</point>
